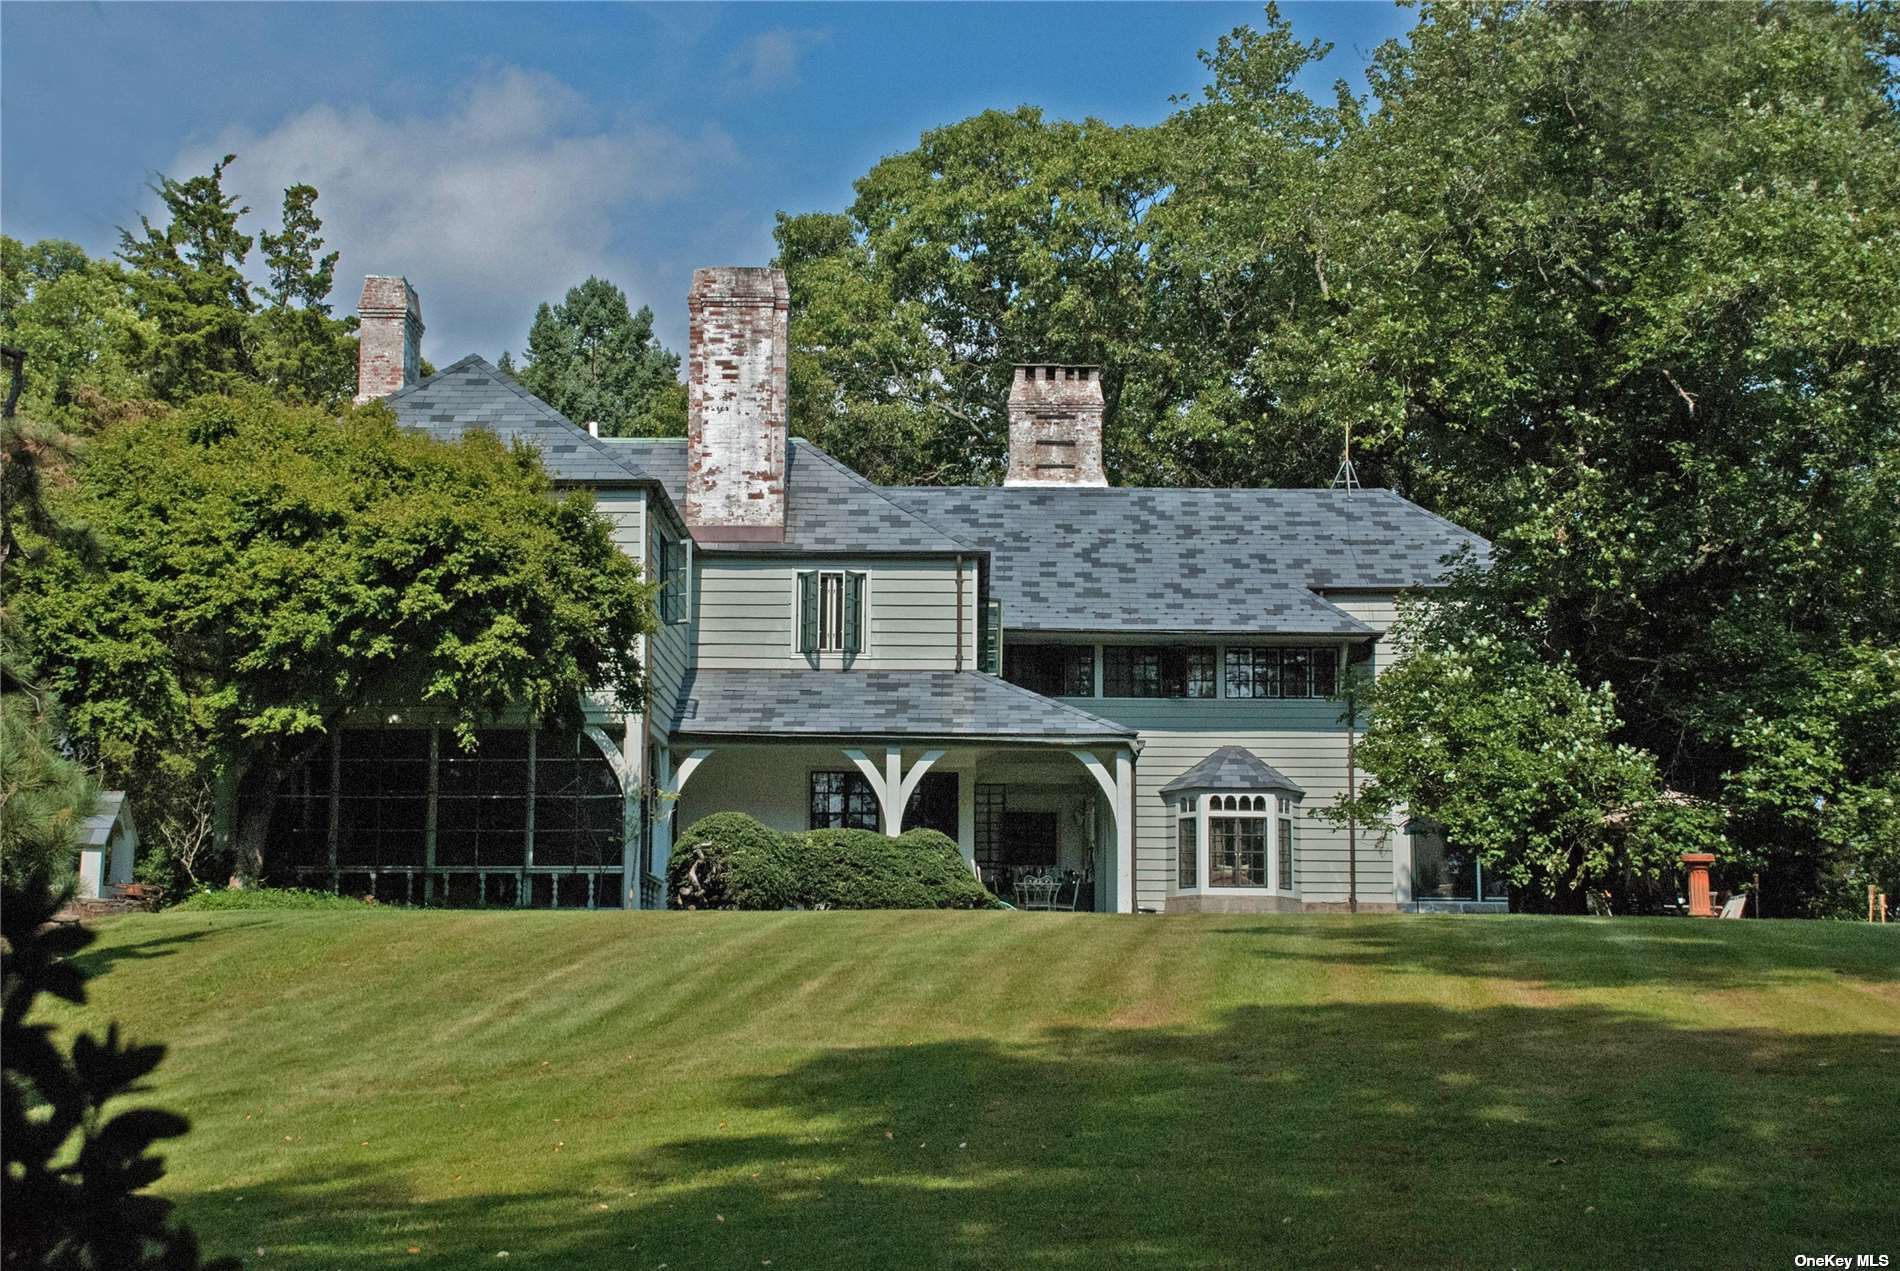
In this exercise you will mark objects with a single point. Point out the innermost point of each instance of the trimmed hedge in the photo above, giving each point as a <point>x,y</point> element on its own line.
<point>730,861</point>
<point>268,898</point>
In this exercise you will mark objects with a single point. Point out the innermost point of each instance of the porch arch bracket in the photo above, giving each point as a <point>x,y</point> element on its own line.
<point>893,786</point>
<point>1119,788</point>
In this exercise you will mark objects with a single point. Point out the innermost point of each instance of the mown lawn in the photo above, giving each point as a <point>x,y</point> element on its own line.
<point>1008,1090</point>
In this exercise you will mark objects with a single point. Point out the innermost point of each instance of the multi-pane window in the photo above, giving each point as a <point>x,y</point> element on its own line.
<point>842,801</point>
<point>672,564</point>
<point>1188,848</point>
<point>831,612</point>
<point>1282,672</point>
<point>1286,853</point>
<point>1154,670</point>
<point>1054,670</point>
<point>1236,851</point>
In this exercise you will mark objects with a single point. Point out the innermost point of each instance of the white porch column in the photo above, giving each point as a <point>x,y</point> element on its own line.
<point>1118,786</point>
<point>893,786</point>
<point>668,782</point>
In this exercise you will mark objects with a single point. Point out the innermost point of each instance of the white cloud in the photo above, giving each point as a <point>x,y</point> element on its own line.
<point>514,191</point>
<point>769,61</point>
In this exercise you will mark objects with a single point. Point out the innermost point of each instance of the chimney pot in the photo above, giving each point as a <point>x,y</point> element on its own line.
<point>1055,426</point>
<point>388,337</point>
<point>737,402</point>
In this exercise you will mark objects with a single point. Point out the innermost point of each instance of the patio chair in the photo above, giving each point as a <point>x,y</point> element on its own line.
<point>1734,905</point>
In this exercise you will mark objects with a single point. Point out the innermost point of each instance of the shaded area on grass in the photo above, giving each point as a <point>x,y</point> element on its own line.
<point>1329,1134</point>
<point>1588,953</point>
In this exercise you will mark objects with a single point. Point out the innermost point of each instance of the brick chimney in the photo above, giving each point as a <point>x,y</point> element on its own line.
<point>736,405</point>
<point>388,337</point>
<point>1055,426</point>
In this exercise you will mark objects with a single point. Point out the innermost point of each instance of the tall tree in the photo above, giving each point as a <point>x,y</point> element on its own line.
<point>188,280</point>
<point>299,348</point>
<point>259,571</point>
<point>77,324</point>
<point>595,360</point>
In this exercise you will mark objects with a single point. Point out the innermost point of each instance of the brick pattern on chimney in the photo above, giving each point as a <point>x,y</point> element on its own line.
<point>737,401</point>
<point>1055,426</point>
<point>388,337</point>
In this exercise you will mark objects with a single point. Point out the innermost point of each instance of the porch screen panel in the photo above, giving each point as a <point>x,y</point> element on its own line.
<point>382,797</point>
<point>577,806</point>
<point>991,804</point>
<point>482,806</point>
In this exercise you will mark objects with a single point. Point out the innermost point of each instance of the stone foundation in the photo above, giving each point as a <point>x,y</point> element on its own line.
<point>1204,904</point>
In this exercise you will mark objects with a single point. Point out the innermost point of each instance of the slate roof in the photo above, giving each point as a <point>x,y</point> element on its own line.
<point>1232,768</point>
<point>96,830</point>
<point>828,507</point>
<point>1191,561</point>
<point>473,394</point>
<point>923,704</point>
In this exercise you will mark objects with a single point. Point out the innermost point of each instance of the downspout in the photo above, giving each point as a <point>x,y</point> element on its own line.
<point>959,612</point>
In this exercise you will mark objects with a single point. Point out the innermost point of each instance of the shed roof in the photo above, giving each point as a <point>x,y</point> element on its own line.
<point>96,830</point>
<point>471,393</point>
<point>1232,768</point>
<point>1203,562</point>
<point>866,704</point>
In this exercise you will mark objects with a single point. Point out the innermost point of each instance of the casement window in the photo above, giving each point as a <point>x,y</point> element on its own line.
<point>1156,670</point>
<point>1287,849</point>
<point>1282,672</point>
<point>989,641</point>
<point>1054,670</point>
<point>842,801</point>
<point>1237,840</point>
<point>673,583</point>
<point>1187,845</point>
<point>831,612</point>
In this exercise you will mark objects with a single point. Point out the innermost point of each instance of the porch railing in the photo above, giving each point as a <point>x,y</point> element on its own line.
<point>591,886</point>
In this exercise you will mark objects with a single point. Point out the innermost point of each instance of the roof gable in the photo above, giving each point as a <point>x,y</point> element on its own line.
<point>472,394</point>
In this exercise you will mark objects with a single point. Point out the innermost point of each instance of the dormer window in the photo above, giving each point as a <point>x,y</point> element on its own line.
<point>831,612</point>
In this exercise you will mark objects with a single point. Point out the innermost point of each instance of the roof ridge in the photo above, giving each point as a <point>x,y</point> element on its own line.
<point>1447,522</point>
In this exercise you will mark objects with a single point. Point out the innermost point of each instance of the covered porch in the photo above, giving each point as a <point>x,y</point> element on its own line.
<point>1027,787</point>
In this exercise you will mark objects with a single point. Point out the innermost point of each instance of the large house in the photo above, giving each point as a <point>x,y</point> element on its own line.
<point>1131,690</point>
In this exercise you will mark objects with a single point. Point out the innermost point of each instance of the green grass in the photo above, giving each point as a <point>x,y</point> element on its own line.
<point>251,898</point>
<point>1010,1090</point>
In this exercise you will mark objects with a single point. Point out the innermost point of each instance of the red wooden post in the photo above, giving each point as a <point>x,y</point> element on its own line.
<point>1698,863</point>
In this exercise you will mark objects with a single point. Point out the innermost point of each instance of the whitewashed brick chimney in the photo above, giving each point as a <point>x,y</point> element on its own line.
<point>388,337</point>
<point>1055,426</point>
<point>737,399</point>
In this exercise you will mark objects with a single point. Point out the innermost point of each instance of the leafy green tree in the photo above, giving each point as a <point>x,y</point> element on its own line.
<point>188,280</point>
<point>260,572</point>
<point>75,1175</point>
<point>1515,759</point>
<point>44,795</point>
<point>75,320</point>
<point>595,360</point>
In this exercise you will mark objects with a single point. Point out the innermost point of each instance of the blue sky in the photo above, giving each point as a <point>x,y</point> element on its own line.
<point>499,153</point>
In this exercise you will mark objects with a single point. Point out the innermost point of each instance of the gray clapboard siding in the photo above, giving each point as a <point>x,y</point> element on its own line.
<point>747,608</point>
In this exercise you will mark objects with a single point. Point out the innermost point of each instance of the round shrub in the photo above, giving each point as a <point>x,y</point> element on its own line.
<point>730,861</point>
<point>920,869</point>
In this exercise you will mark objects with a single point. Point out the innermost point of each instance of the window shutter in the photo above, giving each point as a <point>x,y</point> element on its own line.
<point>808,611</point>
<point>989,652</point>
<point>853,614</point>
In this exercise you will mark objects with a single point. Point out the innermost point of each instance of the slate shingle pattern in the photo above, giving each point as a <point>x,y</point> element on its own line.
<point>923,704</point>
<point>473,394</point>
<point>1232,768</point>
<point>828,507</point>
<point>1191,561</point>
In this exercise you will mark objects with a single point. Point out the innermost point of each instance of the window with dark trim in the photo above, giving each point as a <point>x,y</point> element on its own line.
<point>1188,849</point>
<point>842,801</point>
<point>831,612</point>
<point>1282,672</point>
<point>672,564</point>
<point>1054,670</point>
<point>1157,670</point>
<point>1236,851</point>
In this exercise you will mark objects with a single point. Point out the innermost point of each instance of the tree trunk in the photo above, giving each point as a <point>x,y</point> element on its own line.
<point>256,798</point>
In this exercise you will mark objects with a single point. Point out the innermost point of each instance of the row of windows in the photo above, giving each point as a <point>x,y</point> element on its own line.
<point>1154,670</point>
<point>1236,852</point>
